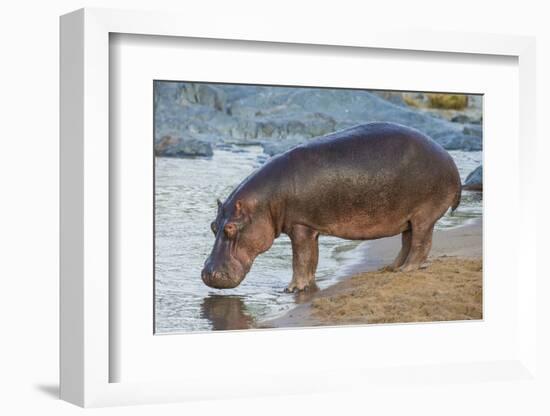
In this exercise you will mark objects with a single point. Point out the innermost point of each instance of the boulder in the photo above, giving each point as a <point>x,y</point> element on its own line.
<point>171,146</point>
<point>473,130</point>
<point>204,94</point>
<point>474,181</point>
<point>460,141</point>
<point>466,118</point>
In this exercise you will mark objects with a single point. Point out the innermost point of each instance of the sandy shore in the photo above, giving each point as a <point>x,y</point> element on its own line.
<point>450,288</point>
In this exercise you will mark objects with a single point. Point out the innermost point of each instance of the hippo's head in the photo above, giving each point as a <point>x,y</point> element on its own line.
<point>243,230</point>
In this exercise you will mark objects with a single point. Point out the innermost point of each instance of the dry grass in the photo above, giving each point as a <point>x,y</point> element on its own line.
<point>448,101</point>
<point>449,289</point>
<point>411,102</point>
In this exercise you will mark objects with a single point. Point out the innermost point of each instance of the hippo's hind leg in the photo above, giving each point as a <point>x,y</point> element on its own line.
<point>406,238</point>
<point>421,243</point>
<point>305,255</point>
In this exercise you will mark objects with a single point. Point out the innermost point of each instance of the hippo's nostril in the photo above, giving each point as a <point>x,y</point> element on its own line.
<point>212,277</point>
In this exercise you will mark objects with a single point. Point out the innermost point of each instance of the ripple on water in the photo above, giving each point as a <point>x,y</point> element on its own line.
<point>185,204</point>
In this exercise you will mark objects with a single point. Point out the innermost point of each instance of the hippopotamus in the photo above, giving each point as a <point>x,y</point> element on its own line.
<point>366,182</point>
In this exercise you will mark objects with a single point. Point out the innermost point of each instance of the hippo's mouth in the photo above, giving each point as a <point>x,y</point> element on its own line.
<point>220,280</point>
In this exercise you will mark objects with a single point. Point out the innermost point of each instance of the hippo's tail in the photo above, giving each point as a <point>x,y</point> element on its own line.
<point>456,201</point>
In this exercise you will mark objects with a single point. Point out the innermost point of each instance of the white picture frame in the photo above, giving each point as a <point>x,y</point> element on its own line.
<point>86,356</point>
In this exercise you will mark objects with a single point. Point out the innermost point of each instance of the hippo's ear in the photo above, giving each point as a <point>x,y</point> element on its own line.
<point>219,203</point>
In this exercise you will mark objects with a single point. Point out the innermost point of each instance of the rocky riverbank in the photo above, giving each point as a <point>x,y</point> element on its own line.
<point>281,117</point>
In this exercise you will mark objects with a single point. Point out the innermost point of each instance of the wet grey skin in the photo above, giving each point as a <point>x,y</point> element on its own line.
<point>367,182</point>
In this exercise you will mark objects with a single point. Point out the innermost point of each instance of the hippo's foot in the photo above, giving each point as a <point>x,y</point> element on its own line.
<point>414,267</point>
<point>295,287</point>
<point>408,268</point>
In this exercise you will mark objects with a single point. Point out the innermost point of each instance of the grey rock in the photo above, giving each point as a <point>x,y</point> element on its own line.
<point>465,119</point>
<point>474,181</point>
<point>204,94</point>
<point>473,130</point>
<point>391,96</point>
<point>274,147</point>
<point>304,125</point>
<point>475,101</point>
<point>170,146</point>
<point>280,117</point>
<point>356,107</point>
<point>460,141</point>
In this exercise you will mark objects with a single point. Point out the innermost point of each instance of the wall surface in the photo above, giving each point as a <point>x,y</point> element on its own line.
<point>29,208</point>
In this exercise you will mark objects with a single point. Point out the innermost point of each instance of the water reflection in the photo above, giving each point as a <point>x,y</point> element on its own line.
<point>226,312</point>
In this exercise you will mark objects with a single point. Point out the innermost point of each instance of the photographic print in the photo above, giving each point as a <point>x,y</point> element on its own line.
<point>287,206</point>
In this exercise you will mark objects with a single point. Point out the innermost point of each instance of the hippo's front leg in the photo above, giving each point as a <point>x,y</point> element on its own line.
<point>305,254</point>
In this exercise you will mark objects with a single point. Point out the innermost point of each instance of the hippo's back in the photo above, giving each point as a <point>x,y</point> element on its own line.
<point>367,172</point>
<point>371,141</point>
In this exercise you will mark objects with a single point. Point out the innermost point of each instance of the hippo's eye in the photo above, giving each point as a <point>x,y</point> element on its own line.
<point>214,227</point>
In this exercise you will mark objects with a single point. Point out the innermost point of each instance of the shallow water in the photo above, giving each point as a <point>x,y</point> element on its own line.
<point>185,201</point>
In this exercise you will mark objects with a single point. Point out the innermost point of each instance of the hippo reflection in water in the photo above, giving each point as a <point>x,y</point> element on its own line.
<point>367,182</point>
<point>226,312</point>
